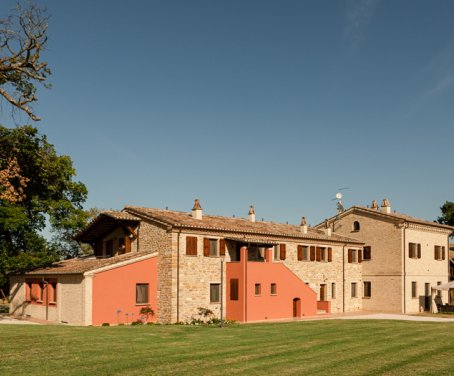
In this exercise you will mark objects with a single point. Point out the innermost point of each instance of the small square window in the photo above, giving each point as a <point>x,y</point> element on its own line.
<point>258,289</point>
<point>273,289</point>
<point>142,293</point>
<point>214,293</point>
<point>354,292</point>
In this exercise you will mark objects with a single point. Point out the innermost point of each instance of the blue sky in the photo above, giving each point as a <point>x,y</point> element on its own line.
<point>271,103</point>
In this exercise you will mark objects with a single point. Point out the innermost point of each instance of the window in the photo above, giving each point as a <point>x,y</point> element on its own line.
<point>439,252</point>
<point>367,289</point>
<point>142,293</point>
<point>333,291</point>
<point>352,256</point>
<point>273,289</point>
<point>367,253</point>
<point>191,245</point>
<point>414,291</point>
<point>41,291</point>
<point>414,250</point>
<point>28,291</point>
<point>356,226</point>
<point>353,288</point>
<point>210,247</point>
<point>213,247</point>
<point>234,289</point>
<point>303,253</point>
<point>214,292</point>
<point>258,289</point>
<point>276,253</point>
<point>53,294</point>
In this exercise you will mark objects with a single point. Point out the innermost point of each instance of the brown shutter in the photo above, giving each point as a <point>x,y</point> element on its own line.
<point>442,253</point>
<point>435,252</point>
<point>360,256</point>
<point>282,251</point>
<point>191,245</point>
<point>419,250</point>
<point>127,244</point>
<point>222,247</point>
<point>318,253</point>
<point>234,289</point>
<point>300,252</point>
<point>206,247</point>
<point>330,254</point>
<point>410,250</point>
<point>350,251</point>
<point>312,253</point>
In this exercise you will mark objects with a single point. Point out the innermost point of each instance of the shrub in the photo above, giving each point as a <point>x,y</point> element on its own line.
<point>137,322</point>
<point>105,324</point>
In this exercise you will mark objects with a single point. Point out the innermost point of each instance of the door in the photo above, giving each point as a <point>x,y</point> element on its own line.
<point>323,292</point>
<point>426,296</point>
<point>297,307</point>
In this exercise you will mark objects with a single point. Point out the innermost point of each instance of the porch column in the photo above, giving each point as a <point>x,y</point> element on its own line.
<point>269,255</point>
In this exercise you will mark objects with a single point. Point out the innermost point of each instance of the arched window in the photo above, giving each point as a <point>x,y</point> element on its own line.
<point>356,226</point>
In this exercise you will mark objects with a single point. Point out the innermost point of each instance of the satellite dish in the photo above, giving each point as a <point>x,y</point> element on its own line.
<point>338,195</point>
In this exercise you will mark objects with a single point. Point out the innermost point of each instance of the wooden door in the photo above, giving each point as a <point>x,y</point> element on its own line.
<point>323,292</point>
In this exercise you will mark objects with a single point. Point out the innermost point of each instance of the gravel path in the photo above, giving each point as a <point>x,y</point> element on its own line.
<point>390,316</point>
<point>10,321</point>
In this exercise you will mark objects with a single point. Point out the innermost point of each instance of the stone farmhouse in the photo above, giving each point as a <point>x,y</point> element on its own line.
<point>402,259</point>
<point>239,268</point>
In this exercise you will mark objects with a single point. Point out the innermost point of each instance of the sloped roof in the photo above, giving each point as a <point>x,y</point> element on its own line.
<point>84,264</point>
<point>236,225</point>
<point>103,224</point>
<point>399,217</point>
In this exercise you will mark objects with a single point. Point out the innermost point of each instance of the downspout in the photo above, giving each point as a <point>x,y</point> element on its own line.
<point>178,276</point>
<point>343,278</point>
<point>138,237</point>
<point>405,273</point>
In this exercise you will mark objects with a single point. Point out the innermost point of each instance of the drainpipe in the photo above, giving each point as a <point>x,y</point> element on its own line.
<point>178,276</point>
<point>138,237</point>
<point>404,266</point>
<point>343,278</point>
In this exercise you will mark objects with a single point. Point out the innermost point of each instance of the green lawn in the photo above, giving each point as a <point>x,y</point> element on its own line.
<point>330,347</point>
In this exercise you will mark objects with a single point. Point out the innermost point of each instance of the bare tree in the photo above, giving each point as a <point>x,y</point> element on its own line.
<point>22,39</point>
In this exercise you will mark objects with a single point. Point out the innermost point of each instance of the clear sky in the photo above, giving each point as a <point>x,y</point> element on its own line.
<point>271,103</point>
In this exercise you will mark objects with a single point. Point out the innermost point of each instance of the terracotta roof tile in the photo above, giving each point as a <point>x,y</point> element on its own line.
<point>84,264</point>
<point>236,225</point>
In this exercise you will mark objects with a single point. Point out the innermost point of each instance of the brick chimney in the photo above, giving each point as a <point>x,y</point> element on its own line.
<point>303,225</point>
<point>197,210</point>
<point>385,206</point>
<point>251,214</point>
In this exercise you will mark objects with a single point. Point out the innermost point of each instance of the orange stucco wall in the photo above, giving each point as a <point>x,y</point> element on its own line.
<point>115,290</point>
<point>266,306</point>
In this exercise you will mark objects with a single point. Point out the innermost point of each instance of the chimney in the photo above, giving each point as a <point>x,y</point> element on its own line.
<point>303,225</point>
<point>374,205</point>
<point>197,210</point>
<point>385,206</point>
<point>328,230</point>
<point>251,214</point>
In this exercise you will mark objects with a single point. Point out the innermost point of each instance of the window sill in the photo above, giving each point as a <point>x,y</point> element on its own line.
<point>53,303</point>
<point>142,304</point>
<point>215,302</point>
<point>273,294</point>
<point>366,297</point>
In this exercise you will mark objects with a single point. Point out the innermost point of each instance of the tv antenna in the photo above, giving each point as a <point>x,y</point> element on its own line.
<point>339,196</point>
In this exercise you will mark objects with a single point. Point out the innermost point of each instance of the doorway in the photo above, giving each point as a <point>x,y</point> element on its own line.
<point>426,296</point>
<point>297,307</point>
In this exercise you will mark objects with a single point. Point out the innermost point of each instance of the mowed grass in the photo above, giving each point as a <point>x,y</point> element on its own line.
<point>330,347</point>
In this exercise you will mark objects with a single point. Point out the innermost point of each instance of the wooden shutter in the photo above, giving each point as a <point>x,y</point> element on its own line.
<point>191,245</point>
<point>360,256</point>
<point>410,250</point>
<point>234,289</point>
<point>282,251</point>
<point>442,253</point>
<point>435,252</point>
<point>330,254</point>
<point>300,253</point>
<point>367,253</point>
<point>127,244</point>
<point>350,252</point>
<point>318,253</point>
<point>206,247</point>
<point>419,250</point>
<point>312,253</point>
<point>222,247</point>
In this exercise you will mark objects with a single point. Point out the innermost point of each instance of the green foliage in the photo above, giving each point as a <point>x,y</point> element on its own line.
<point>447,214</point>
<point>105,324</point>
<point>49,194</point>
